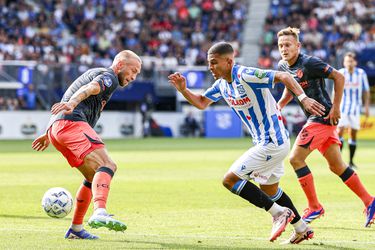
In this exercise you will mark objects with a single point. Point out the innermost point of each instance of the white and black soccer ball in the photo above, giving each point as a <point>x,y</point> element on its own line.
<point>57,202</point>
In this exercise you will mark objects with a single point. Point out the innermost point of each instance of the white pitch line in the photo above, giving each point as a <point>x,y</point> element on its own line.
<point>193,236</point>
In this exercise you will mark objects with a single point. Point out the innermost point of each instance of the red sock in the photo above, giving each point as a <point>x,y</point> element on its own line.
<point>355,184</point>
<point>307,184</point>
<point>100,186</point>
<point>83,200</point>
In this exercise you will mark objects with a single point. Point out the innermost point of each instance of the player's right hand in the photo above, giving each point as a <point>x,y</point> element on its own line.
<point>178,81</point>
<point>40,143</point>
<point>62,106</point>
<point>313,107</point>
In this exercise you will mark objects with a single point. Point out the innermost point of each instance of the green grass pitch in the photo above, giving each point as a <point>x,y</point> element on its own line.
<point>169,193</point>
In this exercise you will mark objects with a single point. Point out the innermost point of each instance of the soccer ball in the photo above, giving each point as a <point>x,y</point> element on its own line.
<point>57,202</point>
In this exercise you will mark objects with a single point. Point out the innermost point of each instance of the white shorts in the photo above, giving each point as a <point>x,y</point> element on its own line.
<point>263,164</point>
<point>350,121</point>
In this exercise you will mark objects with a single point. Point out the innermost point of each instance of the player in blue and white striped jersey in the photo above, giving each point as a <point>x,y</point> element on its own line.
<point>246,91</point>
<point>356,83</point>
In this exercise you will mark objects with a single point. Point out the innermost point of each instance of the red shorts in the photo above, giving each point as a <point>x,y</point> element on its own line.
<point>317,136</point>
<point>74,140</point>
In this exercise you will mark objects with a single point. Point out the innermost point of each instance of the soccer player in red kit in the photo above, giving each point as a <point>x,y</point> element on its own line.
<point>71,131</point>
<point>319,132</point>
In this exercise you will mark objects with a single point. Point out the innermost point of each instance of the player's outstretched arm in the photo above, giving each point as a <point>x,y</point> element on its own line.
<point>179,82</point>
<point>93,88</point>
<point>40,143</point>
<point>339,82</point>
<point>309,104</point>
<point>286,98</point>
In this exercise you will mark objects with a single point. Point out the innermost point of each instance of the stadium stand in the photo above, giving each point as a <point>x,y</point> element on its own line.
<point>173,32</point>
<point>64,38</point>
<point>70,36</point>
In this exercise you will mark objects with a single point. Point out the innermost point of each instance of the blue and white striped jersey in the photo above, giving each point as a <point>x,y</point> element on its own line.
<point>355,84</point>
<point>249,96</point>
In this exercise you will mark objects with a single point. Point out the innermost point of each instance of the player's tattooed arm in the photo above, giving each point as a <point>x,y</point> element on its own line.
<point>82,93</point>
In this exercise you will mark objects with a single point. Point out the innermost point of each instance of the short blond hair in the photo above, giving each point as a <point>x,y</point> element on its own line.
<point>289,32</point>
<point>350,55</point>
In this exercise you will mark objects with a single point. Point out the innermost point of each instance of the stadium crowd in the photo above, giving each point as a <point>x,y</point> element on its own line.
<point>328,28</point>
<point>91,32</point>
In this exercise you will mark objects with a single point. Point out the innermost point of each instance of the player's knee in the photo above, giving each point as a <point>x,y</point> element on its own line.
<point>228,181</point>
<point>293,160</point>
<point>111,165</point>
<point>337,167</point>
<point>227,184</point>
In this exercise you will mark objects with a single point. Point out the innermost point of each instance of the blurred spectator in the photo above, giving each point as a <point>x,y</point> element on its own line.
<point>2,103</point>
<point>146,109</point>
<point>190,126</point>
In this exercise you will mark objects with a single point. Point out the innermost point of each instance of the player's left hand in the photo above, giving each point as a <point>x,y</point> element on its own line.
<point>40,143</point>
<point>312,106</point>
<point>60,106</point>
<point>333,116</point>
<point>178,81</point>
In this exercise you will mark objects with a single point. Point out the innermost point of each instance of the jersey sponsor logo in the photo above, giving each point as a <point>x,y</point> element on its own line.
<point>241,89</point>
<point>351,84</point>
<point>239,102</point>
<point>258,177</point>
<point>107,81</point>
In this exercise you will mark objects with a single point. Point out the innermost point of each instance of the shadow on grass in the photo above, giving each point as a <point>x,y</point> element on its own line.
<point>346,229</point>
<point>174,245</point>
<point>28,217</point>
<point>328,246</point>
<point>202,245</point>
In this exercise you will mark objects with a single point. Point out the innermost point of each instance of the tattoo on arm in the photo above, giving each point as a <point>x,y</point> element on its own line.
<point>80,95</point>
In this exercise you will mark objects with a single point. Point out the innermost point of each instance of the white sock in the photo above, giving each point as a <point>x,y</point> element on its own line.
<point>275,209</point>
<point>300,226</point>
<point>76,227</point>
<point>100,211</point>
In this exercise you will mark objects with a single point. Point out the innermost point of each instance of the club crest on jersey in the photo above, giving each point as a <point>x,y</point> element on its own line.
<point>299,73</point>
<point>241,89</point>
<point>107,81</point>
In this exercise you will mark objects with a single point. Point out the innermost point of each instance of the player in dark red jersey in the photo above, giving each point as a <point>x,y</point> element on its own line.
<point>71,131</point>
<point>319,132</point>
